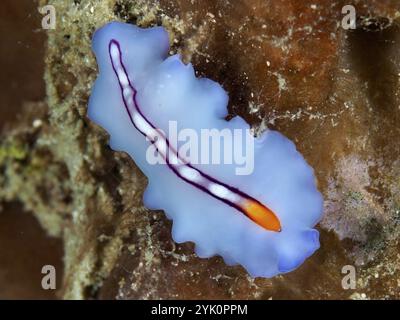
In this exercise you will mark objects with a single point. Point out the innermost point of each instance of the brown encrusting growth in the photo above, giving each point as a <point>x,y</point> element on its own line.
<point>287,65</point>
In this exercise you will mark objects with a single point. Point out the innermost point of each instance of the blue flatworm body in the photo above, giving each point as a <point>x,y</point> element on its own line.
<point>251,200</point>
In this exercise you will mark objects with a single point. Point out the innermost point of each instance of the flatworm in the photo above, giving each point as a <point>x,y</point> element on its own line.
<point>262,219</point>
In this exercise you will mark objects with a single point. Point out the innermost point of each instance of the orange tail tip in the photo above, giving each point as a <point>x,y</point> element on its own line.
<point>262,216</point>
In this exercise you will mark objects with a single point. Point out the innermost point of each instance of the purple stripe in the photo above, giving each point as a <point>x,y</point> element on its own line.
<point>137,107</point>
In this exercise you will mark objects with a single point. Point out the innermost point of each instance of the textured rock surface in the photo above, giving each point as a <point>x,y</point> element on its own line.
<point>287,65</point>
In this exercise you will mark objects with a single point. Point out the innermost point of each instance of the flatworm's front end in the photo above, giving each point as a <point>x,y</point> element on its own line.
<point>262,220</point>
<point>262,215</point>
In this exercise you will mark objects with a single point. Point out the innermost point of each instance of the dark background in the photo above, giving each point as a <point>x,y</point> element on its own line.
<point>24,246</point>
